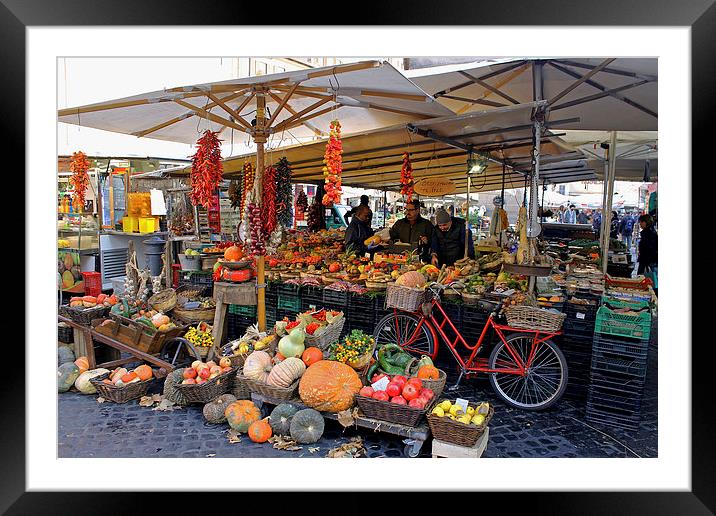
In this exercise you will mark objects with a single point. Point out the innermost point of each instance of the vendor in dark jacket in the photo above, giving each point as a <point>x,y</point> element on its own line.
<point>448,243</point>
<point>414,230</point>
<point>648,244</point>
<point>359,229</point>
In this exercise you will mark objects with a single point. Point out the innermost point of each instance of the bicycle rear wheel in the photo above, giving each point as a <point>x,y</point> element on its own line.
<point>546,378</point>
<point>408,331</point>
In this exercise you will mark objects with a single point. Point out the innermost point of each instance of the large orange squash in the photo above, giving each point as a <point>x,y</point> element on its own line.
<point>329,386</point>
<point>240,414</point>
<point>260,431</point>
<point>233,253</point>
<point>144,372</point>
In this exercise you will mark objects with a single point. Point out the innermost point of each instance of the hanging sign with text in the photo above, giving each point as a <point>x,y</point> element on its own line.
<point>435,187</point>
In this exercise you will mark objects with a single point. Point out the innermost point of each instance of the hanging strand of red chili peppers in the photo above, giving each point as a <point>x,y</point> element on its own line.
<point>248,185</point>
<point>256,241</point>
<point>333,166</point>
<point>79,179</point>
<point>406,178</point>
<point>302,201</point>
<point>268,203</point>
<point>284,193</point>
<point>206,169</point>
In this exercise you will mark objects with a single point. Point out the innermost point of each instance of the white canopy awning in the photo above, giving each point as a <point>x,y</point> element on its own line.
<point>606,94</point>
<point>322,94</point>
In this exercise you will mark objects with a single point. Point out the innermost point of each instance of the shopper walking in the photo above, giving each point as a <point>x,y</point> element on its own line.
<point>582,217</point>
<point>597,221</point>
<point>648,249</point>
<point>626,229</point>
<point>570,216</point>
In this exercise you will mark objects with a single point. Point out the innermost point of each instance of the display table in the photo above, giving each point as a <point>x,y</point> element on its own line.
<point>415,437</point>
<point>226,294</point>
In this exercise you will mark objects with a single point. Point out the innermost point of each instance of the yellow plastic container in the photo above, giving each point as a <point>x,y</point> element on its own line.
<point>147,224</point>
<point>130,224</point>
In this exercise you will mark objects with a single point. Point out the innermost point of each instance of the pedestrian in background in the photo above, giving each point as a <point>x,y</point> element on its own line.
<point>626,229</point>
<point>648,249</point>
<point>570,216</point>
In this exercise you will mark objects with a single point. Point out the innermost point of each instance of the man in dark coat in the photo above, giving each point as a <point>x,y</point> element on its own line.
<point>414,230</point>
<point>448,243</point>
<point>359,230</point>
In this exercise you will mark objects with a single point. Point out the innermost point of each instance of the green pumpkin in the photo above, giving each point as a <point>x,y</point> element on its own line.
<point>67,373</point>
<point>280,418</point>
<point>64,355</point>
<point>170,390</point>
<point>307,426</point>
<point>214,410</point>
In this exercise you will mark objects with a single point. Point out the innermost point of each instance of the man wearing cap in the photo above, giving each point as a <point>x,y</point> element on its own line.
<point>413,229</point>
<point>448,243</point>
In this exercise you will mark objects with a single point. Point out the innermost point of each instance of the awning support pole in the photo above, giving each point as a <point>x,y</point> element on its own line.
<point>607,217</point>
<point>467,217</point>
<point>260,139</point>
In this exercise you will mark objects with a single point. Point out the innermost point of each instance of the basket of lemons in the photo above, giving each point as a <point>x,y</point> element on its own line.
<point>450,423</point>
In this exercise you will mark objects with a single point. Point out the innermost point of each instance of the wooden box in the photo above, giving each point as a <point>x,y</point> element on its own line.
<point>453,451</point>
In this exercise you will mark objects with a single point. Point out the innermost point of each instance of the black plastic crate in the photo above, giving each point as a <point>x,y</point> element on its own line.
<point>311,297</point>
<point>453,311</point>
<point>335,299</point>
<point>614,402</point>
<point>621,346</point>
<point>198,279</point>
<point>617,382</point>
<point>598,415</point>
<point>608,362</point>
<point>577,329</point>
<point>582,313</point>
<point>288,289</point>
<point>605,407</point>
<point>65,334</point>
<point>619,394</point>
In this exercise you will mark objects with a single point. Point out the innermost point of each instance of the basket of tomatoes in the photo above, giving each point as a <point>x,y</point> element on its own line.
<point>395,399</point>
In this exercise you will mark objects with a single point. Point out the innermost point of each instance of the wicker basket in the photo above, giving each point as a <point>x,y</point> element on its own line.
<point>121,394</point>
<point>436,386</point>
<point>203,351</point>
<point>270,391</point>
<point>404,298</point>
<point>164,300</point>
<point>454,432</point>
<point>325,339</point>
<point>392,412</point>
<point>209,390</point>
<point>192,291</point>
<point>532,318</point>
<point>240,388</point>
<point>84,315</point>
<point>195,316</point>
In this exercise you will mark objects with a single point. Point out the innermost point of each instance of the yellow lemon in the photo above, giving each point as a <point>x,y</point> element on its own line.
<point>478,419</point>
<point>470,411</point>
<point>456,410</point>
<point>438,412</point>
<point>445,405</point>
<point>464,419</point>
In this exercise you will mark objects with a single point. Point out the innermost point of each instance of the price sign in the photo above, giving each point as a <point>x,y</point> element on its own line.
<point>381,384</point>
<point>462,404</point>
<point>580,315</point>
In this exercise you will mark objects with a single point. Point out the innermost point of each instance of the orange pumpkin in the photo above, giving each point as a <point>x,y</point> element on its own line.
<point>260,431</point>
<point>82,364</point>
<point>240,414</point>
<point>329,386</point>
<point>311,355</point>
<point>428,372</point>
<point>144,372</point>
<point>130,377</point>
<point>233,253</point>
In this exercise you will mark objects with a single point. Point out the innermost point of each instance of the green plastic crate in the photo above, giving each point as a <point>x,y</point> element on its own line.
<point>289,303</point>
<point>625,303</point>
<point>637,326</point>
<point>246,311</point>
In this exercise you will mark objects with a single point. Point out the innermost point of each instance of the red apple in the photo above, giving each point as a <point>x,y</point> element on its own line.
<point>417,403</point>
<point>399,379</point>
<point>204,373</point>
<point>398,400</point>
<point>417,382</point>
<point>211,363</point>
<point>225,369</point>
<point>196,364</point>
<point>393,389</point>
<point>188,381</point>
<point>200,380</point>
<point>225,362</point>
<point>189,373</point>
<point>380,395</point>
<point>410,392</point>
<point>366,391</point>
<point>215,369</point>
<point>427,394</point>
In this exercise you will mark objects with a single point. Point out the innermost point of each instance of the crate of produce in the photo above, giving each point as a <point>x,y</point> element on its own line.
<point>625,324</point>
<point>335,299</point>
<point>392,412</point>
<point>449,430</point>
<point>638,283</point>
<point>288,304</point>
<point>93,283</point>
<point>621,346</point>
<point>288,290</point>
<point>615,363</point>
<point>84,316</point>
<point>311,298</point>
<point>210,389</point>
<point>135,334</point>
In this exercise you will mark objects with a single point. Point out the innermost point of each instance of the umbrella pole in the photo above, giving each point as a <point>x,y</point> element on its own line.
<point>467,218</point>
<point>260,139</point>
<point>607,216</point>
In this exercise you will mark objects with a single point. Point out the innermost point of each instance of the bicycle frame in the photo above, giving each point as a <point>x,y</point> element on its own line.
<point>474,365</point>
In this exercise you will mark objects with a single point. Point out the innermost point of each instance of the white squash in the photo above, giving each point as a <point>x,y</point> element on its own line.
<point>83,383</point>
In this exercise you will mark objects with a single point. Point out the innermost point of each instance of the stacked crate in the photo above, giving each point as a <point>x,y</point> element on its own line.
<point>311,298</point>
<point>361,313</point>
<point>271,299</point>
<point>238,319</point>
<point>472,321</point>
<point>576,343</point>
<point>619,360</point>
<point>288,301</point>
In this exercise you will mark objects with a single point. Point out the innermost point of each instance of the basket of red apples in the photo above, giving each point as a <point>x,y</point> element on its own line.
<point>395,399</point>
<point>204,382</point>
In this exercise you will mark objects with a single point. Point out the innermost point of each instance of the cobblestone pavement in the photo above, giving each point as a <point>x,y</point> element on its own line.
<point>90,429</point>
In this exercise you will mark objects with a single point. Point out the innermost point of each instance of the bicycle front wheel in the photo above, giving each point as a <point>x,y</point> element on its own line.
<point>408,331</point>
<point>546,377</point>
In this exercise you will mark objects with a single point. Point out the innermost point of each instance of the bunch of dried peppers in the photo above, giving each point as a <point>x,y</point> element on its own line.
<point>206,169</point>
<point>333,165</point>
<point>79,179</point>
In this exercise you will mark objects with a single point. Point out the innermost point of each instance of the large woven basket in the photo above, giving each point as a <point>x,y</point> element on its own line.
<point>240,388</point>
<point>532,318</point>
<point>451,431</point>
<point>404,298</point>
<point>84,315</point>
<point>164,300</point>
<point>210,390</point>
<point>392,412</point>
<point>324,340</point>
<point>436,386</point>
<point>194,316</point>
<point>270,391</point>
<point>123,393</point>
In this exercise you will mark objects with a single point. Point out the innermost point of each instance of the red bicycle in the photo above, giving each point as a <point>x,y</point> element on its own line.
<point>527,369</point>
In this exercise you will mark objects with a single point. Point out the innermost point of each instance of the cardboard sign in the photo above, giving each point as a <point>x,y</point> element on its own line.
<point>462,404</point>
<point>580,315</point>
<point>381,384</point>
<point>435,186</point>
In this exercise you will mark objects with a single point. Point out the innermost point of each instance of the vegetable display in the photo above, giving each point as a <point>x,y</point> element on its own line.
<point>329,386</point>
<point>352,347</point>
<point>333,165</point>
<point>268,202</point>
<point>257,244</point>
<point>399,390</point>
<point>200,335</point>
<point>206,169</point>
<point>79,179</point>
<point>472,416</point>
<point>406,178</point>
<point>284,193</point>
<point>248,185</point>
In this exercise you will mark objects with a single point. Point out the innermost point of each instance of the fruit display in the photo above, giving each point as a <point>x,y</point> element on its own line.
<point>311,323</point>
<point>329,386</point>
<point>121,376</point>
<point>200,335</point>
<point>399,390</point>
<point>92,301</point>
<point>352,349</point>
<point>474,415</point>
<point>201,372</point>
